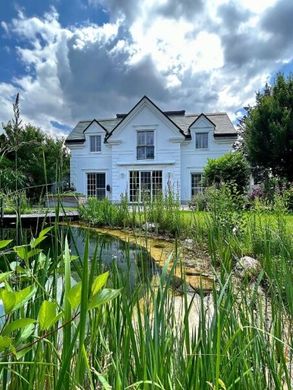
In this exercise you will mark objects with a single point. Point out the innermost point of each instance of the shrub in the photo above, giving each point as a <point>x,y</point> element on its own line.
<point>232,168</point>
<point>199,202</point>
<point>288,194</point>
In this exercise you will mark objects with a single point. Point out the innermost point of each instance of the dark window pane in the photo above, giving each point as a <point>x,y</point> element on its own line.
<point>145,145</point>
<point>196,183</point>
<point>149,152</point>
<point>101,180</point>
<point>201,141</point>
<point>96,185</point>
<point>95,143</point>
<point>141,153</point>
<point>140,138</point>
<point>134,186</point>
<point>150,138</point>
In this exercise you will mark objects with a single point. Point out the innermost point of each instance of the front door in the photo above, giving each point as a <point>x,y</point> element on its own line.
<point>96,185</point>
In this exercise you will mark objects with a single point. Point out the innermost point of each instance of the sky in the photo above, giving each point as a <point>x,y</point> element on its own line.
<point>74,60</point>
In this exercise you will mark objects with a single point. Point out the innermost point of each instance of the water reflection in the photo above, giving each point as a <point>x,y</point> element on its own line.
<point>133,261</point>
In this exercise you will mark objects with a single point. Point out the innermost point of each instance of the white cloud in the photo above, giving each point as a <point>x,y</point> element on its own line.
<point>201,56</point>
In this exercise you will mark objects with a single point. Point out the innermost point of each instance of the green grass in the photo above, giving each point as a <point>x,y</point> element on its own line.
<point>238,337</point>
<point>139,340</point>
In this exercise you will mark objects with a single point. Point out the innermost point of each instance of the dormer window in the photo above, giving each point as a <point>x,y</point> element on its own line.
<point>145,145</point>
<point>201,140</point>
<point>95,143</point>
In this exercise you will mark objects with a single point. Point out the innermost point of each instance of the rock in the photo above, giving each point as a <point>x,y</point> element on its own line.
<point>247,267</point>
<point>188,243</point>
<point>150,226</point>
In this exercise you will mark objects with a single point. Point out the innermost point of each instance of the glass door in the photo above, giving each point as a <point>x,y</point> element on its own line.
<point>96,185</point>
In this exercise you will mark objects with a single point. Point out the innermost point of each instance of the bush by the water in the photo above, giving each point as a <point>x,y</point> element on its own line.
<point>231,168</point>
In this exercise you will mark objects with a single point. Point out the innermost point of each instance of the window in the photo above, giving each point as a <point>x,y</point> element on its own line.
<point>145,145</point>
<point>196,184</point>
<point>95,143</point>
<point>144,185</point>
<point>201,140</point>
<point>96,185</point>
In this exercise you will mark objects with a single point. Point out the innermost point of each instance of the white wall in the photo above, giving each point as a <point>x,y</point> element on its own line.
<point>83,161</point>
<point>167,150</point>
<point>193,160</point>
<point>175,156</point>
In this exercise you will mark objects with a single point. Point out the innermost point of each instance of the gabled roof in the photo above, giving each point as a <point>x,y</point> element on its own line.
<point>98,123</point>
<point>133,108</point>
<point>202,115</point>
<point>220,120</point>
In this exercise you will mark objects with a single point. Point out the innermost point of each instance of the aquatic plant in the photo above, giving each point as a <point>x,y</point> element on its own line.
<point>56,333</point>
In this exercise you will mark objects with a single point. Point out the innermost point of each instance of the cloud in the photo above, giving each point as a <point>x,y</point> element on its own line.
<point>193,55</point>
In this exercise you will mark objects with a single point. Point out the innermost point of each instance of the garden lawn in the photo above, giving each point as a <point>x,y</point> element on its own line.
<point>201,218</point>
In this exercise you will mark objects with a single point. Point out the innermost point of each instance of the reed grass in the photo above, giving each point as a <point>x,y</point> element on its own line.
<point>147,336</point>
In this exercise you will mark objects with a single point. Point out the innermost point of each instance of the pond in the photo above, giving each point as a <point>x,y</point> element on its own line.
<point>132,261</point>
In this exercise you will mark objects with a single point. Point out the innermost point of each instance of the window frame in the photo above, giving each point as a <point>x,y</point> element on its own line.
<point>96,136</point>
<point>145,146</point>
<point>199,189</point>
<point>95,187</point>
<point>201,133</point>
<point>155,184</point>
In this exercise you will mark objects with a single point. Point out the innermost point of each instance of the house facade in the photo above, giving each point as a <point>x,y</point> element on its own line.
<point>146,152</point>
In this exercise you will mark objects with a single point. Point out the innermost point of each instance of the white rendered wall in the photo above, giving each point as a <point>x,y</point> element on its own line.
<point>167,150</point>
<point>194,160</point>
<point>83,161</point>
<point>176,157</point>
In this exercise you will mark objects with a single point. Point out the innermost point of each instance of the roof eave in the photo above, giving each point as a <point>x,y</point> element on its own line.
<point>74,141</point>
<point>199,116</point>
<point>134,107</point>
<point>228,135</point>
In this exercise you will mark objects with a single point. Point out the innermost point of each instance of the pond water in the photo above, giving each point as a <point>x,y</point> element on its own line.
<point>132,260</point>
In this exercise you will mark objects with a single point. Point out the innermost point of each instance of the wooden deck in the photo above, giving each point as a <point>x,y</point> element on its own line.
<point>7,220</point>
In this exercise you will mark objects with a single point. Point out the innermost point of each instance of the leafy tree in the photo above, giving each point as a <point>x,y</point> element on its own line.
<point>231,168</point>
<point>29,157</point>
<point>268,129</point>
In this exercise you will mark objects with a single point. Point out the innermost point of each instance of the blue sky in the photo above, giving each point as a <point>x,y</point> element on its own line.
<point>80,59</point>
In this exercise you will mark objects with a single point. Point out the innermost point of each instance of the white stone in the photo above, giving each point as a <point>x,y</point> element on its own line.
<point>247,267</point>
<point>149,226</point>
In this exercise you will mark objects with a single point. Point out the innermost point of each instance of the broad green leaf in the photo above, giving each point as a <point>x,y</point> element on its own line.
<point>48,315</point>
<point>74,295</point>
<point>33,252</point>
<point>45,231</point>
<point>21,251</point>
<point>8,299</point>
<point>36,241</point>
<point>4,243</point>
<point>5,342</point>
<point>14,300</point>
<point>104,296</point>
<point>27,332</point>
<point>13,265</point>
<point>22,296</point>
<point>4,276</point>
<point>99,282</point>
<point>17,324</point>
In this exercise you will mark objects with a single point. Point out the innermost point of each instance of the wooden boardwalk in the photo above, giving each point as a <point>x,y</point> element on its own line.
<point>7,220</point>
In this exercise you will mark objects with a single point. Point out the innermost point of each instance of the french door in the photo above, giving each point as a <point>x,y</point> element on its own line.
<point>96,185</point>
<point>144,185</point>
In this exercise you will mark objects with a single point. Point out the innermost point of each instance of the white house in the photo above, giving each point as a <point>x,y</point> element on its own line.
<point>146,151</point>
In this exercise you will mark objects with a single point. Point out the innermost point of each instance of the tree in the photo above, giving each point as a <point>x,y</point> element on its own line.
<point>231,168</point>
<point>268,129</point>
<point>29,157</point>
